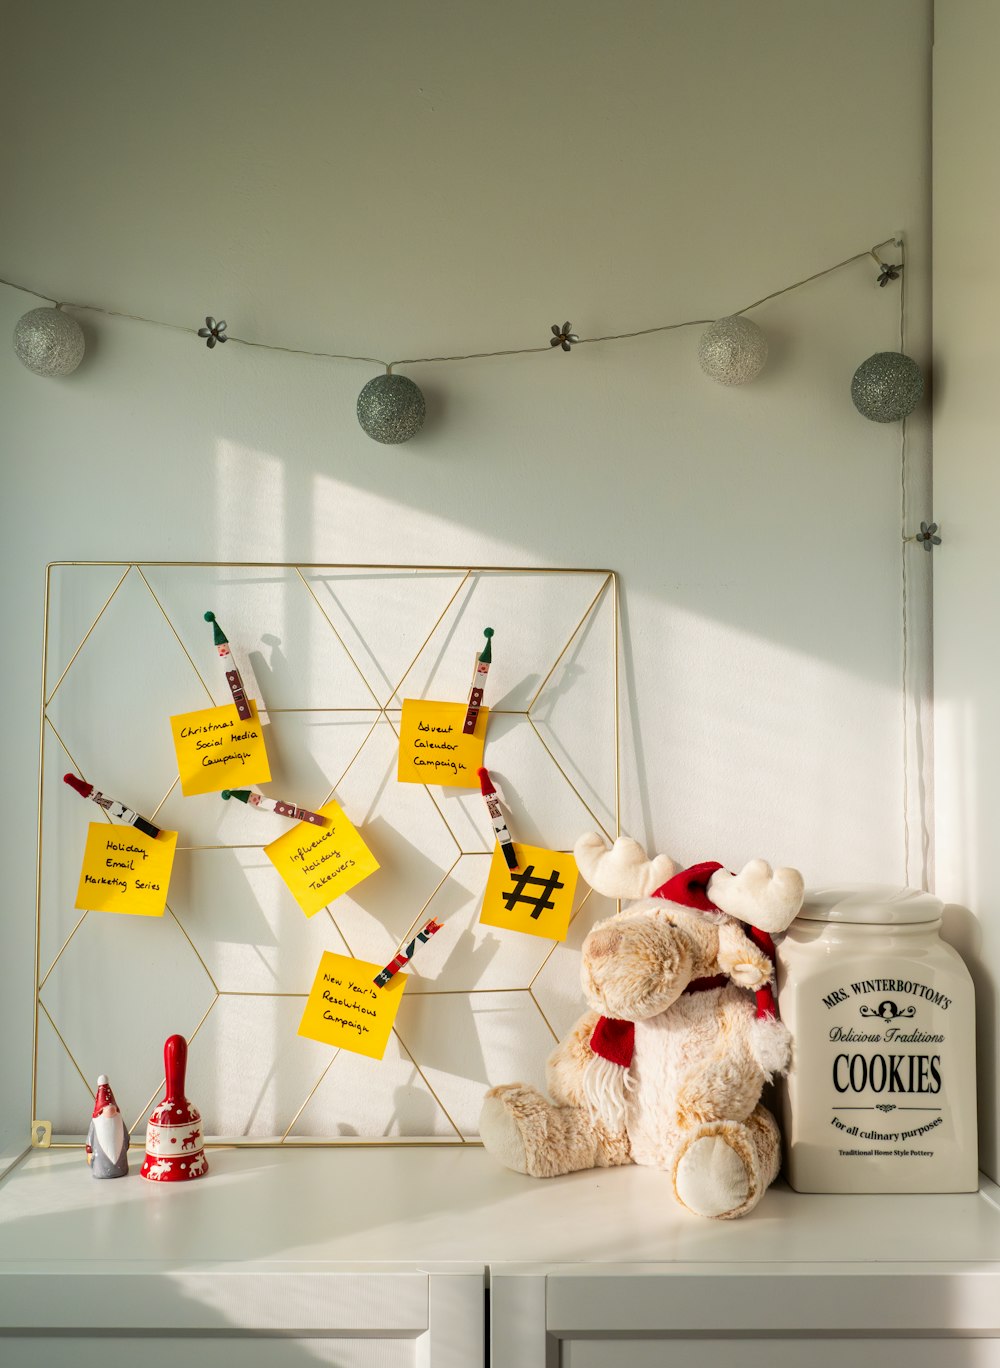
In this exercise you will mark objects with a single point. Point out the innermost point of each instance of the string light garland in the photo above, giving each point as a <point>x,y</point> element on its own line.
<point>49,342</point>
<point>391,407</point>
<point>887,387</point>
<point>732,350</point>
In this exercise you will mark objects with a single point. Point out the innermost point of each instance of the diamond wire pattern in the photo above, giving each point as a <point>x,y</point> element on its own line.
<point>380,714</point>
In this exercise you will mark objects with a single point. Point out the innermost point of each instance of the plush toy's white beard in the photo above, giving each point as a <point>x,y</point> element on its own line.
<point>771,1043</point>
<point>109,1134</point>
<point>605,1085</point>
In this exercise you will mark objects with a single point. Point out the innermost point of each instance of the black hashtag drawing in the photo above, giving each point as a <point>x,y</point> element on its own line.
<point>517,895</point>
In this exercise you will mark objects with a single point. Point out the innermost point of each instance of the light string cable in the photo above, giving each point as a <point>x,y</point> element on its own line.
<point>464,356</point>
<point>904,577</point>
<point>905,594</point>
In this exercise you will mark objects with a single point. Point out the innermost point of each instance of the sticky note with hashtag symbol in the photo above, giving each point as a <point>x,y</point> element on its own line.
<point>537,898</point>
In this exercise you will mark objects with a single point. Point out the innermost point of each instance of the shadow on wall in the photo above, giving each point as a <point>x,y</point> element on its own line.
<point>962,929</point>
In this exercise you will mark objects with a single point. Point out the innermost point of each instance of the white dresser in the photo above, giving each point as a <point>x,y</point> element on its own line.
<point>436,1258</point>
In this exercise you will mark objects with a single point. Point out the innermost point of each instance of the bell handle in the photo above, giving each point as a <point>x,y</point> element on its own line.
<point>175,1065</point>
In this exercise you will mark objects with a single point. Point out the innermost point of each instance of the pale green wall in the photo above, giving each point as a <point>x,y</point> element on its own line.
<point>966,501</point>
<point>418,178</point>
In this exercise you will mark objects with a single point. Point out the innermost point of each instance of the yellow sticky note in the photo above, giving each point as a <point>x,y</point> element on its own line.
<point>125,871</point>
<point>319,865</point>
<point>537,899</point>
<point>347,1010</point>
<point>433,749</point>
<point>217,750</point>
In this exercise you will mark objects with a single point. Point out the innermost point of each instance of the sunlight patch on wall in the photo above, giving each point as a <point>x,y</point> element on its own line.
<point>249,503</point>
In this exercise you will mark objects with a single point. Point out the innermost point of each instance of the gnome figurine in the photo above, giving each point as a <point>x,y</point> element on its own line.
<point>107,1139</point>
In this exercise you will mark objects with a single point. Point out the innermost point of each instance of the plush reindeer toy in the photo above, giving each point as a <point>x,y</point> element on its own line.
<point>667,1068</point>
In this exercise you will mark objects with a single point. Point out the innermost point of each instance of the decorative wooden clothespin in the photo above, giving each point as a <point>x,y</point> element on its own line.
<point>257,800</point>
<point>229,665</point>
<point>111,806</point>
<point>479,674</point>
<point>404,955</point>
<point>506,841</point>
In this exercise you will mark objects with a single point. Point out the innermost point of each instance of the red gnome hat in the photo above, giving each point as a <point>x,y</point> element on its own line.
<point>104,1097</point>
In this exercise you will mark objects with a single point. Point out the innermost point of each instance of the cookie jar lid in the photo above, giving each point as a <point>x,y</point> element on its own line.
<point>874,904</point>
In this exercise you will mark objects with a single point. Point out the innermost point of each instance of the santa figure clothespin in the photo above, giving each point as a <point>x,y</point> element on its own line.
<point>480,671</point>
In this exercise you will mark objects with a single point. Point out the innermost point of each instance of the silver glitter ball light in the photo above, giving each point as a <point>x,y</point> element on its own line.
<point>887,387</point>
<point>732,350</point>
<point>391,409</point>
<point>49,342</point>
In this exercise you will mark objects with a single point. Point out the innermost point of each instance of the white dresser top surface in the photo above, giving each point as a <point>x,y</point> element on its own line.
<point>431,1207</point>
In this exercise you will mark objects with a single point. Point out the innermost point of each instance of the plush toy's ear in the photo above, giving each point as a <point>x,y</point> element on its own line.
<point>624,871</point>
<point>759,895</point>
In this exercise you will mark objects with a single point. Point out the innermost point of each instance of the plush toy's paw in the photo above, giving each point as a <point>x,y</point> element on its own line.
<point>500,1133</point>
<point>717,1172</point>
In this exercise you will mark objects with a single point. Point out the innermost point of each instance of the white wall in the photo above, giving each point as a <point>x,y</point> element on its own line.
<point>966,499</point>
<point>417,179</point>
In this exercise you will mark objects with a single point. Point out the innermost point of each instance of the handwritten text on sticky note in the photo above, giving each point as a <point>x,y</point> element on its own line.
<point>216,749</point>
<point>319,865</point>
<point>433,748</point>
<point>125,870</point>
<point>536,899</point>
<point>347,1010</point>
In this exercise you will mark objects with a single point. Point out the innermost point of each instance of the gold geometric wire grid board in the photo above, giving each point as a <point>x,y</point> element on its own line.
<point>334,649</point>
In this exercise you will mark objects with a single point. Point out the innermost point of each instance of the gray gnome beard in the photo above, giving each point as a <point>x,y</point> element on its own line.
<point>108,1141</point>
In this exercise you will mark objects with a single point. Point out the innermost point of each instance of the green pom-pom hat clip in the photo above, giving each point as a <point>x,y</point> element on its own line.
<point>220,637</point>
<point>487,654</point>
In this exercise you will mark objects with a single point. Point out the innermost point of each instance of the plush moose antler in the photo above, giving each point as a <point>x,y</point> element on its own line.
<point>759,895</point>
<point>624,871</point>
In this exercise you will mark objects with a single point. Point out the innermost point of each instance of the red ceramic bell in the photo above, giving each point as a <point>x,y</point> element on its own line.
<point>175,1147</point>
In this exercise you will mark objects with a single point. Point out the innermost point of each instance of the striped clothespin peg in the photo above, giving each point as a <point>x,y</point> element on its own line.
<point>257,800</point>
<point>504,838</point>
<point>404,955</point>
<point>229,665</point>
<point>482,669</point>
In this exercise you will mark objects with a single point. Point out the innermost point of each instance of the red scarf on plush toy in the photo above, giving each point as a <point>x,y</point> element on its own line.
<point>614,1040</point>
